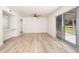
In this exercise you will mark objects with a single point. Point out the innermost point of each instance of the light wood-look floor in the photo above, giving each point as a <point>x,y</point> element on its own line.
<point>35,43</point>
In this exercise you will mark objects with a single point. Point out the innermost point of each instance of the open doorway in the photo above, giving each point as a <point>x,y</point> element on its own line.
<point>21,26</point>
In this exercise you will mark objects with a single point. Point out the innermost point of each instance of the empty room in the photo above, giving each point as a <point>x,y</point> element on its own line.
<point>39,29</point>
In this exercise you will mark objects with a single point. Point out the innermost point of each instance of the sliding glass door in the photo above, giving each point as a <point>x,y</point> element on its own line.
<point>59,26</point>
<point>67,26</point>
<point>70,26</point>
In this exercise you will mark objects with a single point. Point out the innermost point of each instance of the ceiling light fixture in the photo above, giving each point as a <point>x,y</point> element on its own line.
<point>35,15</point>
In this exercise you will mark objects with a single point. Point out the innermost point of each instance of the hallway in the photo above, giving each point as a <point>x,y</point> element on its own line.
<point>36,43</point>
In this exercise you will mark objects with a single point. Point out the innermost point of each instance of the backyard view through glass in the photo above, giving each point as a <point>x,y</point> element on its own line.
<point>70,26</point>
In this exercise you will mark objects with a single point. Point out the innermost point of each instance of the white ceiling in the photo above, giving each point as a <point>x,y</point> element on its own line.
<point>31,10</point>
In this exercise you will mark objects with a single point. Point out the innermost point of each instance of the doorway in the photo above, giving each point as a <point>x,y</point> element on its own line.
<point>21,26</point>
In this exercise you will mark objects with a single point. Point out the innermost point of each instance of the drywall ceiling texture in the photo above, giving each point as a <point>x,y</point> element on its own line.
<point>25,11</point>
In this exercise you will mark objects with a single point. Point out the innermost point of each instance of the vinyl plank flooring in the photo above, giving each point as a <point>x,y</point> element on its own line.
<point>35,43</point>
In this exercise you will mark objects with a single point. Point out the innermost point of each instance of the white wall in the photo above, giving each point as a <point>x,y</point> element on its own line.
<point>52,19</point>
<point>15,24</point>
<point>35,25</point>
<point>14,29</point>
<point>1,27</point>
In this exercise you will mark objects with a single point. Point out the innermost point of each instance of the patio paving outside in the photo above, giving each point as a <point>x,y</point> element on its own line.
<point>71,38</point>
